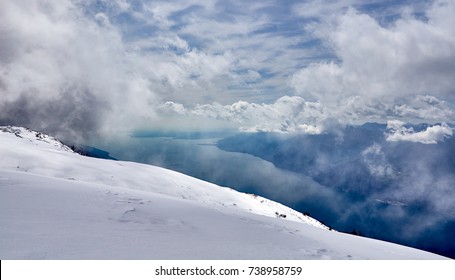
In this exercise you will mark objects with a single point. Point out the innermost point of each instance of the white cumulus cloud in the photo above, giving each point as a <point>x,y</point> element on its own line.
<point>431,135</point>
<point>286,114</point>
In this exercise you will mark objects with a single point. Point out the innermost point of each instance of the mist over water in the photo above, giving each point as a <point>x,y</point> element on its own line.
<point>353,181</point>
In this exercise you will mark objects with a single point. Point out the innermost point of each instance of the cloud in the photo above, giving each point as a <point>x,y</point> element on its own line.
<point>287,114</point>
<point>425,107</point>
<point>292,114</point>
<point>431,135</point>
<point>249,47</point>
<point>379,71</point>
<point>376,162</point>
<point>75,55</point>
<point>64,72</point>
<point>314,9</point>
<point>124,58</point>
<point>388,65</point>
<point>131,55</point>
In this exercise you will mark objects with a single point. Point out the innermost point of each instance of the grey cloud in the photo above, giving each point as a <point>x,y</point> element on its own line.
<point>73,116</point>
<point>65,73</point>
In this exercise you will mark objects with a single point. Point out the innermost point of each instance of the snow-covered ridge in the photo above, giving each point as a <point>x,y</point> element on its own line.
<point>57,204</point>
<point>69,165</point>
<point>33,136</point>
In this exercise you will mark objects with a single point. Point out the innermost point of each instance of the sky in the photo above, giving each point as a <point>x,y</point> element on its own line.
<point>84,68</point>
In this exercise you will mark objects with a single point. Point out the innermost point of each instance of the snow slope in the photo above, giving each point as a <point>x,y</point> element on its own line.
<point>57,204</point>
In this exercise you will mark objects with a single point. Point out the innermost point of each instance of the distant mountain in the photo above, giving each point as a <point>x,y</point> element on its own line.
<point>57,204</point>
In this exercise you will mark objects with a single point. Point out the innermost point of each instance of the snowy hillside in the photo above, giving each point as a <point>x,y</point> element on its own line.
<point>57,204</point>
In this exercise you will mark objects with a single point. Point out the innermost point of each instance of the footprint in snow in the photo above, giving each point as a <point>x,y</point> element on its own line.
<point>130,210</point>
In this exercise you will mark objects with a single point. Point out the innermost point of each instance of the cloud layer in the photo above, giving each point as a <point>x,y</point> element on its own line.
<point>287,114</point>
<point>76,68</point>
